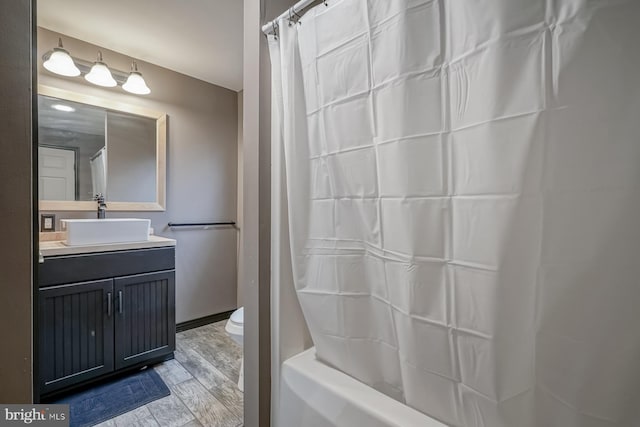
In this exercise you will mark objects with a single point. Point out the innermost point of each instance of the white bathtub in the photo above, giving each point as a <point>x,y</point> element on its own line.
<point>313,394</point>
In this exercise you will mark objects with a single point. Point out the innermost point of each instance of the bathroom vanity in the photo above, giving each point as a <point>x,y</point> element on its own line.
<point>103,306</point>
<point>103,309</point>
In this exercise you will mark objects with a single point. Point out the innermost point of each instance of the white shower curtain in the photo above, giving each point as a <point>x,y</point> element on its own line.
<point>463,183</point>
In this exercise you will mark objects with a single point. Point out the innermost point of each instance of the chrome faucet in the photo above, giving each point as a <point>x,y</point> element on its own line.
<point>102,206</point>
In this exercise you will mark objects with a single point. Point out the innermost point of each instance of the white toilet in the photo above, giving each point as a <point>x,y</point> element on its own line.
<point>235,329</point>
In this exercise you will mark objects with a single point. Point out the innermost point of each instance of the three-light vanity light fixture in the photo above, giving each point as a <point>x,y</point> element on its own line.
<point>59,61</point>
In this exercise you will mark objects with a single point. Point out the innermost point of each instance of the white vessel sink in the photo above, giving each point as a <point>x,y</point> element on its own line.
<point>103,231</point>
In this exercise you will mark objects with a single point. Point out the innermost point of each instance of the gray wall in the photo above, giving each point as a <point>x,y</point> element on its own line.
<point>131,158</point>
<point>256,370</point>
<point>240,190</point>
<point>17,254</point>
<point>201,172</point>
<point>256,238</point>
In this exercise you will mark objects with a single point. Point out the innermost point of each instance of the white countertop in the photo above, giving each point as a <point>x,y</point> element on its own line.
<point>58,247</point>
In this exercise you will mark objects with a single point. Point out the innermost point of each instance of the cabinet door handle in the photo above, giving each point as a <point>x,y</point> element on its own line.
<point>109,304</point>
<point>120,302</point>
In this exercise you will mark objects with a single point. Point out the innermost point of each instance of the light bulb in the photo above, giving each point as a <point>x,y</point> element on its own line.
<point>135,83</point>
<point>100,74</point>
<point>60,62</point>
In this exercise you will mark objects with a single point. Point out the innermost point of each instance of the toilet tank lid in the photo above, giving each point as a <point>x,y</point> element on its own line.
<point>238,316</point>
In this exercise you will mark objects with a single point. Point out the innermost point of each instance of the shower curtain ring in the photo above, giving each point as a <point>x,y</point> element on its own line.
<point>275,29</point>
<point>296,16</point>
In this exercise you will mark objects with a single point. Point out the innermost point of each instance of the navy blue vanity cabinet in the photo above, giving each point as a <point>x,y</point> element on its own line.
<point>103,313</point>
<point>145,317</point>
<point>76,333</point>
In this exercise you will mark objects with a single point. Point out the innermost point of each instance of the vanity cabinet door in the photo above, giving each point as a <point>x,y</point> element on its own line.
<point>76,333</point>
<point>144,317</point>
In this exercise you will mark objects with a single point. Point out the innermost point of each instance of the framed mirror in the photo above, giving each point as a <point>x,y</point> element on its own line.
<point>89,145</point>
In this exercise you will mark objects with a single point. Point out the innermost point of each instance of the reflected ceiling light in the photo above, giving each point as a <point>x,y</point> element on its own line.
<point>100,74</point>
<point>60,62</point>
<point>135,83</point>
<point>65,108</point>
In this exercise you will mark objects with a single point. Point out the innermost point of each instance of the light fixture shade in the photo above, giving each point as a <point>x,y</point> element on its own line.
<point>100,74</point>
<point>60,62</point>
<point>135,83</point>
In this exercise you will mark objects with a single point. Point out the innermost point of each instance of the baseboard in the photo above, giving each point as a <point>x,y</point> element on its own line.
<point>196,323</point>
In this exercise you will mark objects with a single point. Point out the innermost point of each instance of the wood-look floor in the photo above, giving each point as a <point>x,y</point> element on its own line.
<point>203,380</point>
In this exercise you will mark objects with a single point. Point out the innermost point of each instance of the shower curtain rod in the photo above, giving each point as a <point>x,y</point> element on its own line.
<point>293,13</point>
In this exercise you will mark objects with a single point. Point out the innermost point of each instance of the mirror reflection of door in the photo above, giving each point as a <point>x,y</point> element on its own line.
<point>57,172</point>
<point>116,151</point>
<point>67,125</point>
